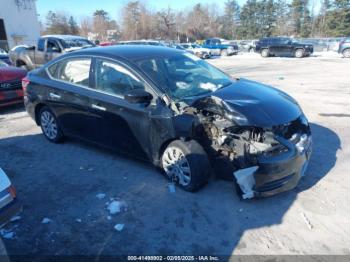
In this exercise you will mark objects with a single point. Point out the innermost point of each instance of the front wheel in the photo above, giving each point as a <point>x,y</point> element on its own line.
<point>50,126</point>
<point>299,53</point>
<point>187,163</point>
<point>346,53</point>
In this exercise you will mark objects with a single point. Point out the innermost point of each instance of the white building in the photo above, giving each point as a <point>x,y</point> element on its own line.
<point>18,23</point>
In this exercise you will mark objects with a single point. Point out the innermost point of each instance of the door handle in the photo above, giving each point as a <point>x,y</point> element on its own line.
<point>98,107</point>
<point>53,95</point>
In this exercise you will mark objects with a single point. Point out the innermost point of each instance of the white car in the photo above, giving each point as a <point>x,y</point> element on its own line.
<point>9,205</point>
<point>197,50</point>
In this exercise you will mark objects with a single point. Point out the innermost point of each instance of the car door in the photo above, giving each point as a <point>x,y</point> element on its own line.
<point>274,46</point>
<point>68,95</point>
<point>287,49</point>
<point>53,50</point>
<point>39,53</point>
<point>118,124</point>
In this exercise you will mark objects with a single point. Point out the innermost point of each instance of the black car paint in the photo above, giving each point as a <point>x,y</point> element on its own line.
<point>277,47</point>
<point>143,131</point>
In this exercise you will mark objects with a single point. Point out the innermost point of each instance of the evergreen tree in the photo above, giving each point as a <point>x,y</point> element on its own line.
<point>73,26</point>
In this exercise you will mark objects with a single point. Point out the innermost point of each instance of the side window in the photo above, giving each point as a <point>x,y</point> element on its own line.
<point>75,71</point>
<point>52,46</point>
<point>41,45</point>
<point>115,79</point>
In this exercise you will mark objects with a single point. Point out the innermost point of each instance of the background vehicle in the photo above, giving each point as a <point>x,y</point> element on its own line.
<point>142,42</point>
<point>48,48</point>
<point>344,47</point>
<point>10,84</point>
<point>4,57</point>
<point>175,110</point>
<point>282,46</point>
<point>219,46</point>
<point>9,205</point>
<point>248,46</point>
<point>197,50</point>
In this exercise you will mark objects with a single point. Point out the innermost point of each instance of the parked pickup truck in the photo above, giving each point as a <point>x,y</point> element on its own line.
<point>219,46</point>
<point>48,48</point>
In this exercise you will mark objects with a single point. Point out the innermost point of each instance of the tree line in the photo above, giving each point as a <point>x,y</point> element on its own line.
<point>253,20</point>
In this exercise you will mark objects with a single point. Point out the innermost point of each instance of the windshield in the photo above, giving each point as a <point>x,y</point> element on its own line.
<point>196,46</point>
<point>184,75</point>
<point>79,42</point>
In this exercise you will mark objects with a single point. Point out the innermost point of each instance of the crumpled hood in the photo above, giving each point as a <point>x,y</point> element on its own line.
<point>262,105</point>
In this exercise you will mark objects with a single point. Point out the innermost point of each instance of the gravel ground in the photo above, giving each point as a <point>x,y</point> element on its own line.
<point>60,182</point>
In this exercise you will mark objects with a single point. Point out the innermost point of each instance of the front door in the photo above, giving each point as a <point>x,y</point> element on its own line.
<point>118,124</point>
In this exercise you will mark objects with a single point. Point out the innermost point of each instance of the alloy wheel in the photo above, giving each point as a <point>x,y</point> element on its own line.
<point>176,165</point>
<point>49,125</point>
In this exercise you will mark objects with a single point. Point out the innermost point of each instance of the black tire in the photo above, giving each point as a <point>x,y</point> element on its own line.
<point>223,52</point>
<point>265,52</point>
<point>57,136</point>
<point>197,160</point>
<point>299,53</point>
<point>346,53</point>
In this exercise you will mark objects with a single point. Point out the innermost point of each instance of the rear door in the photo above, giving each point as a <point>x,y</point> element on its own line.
<point>53,50</point>
<point>38,56</point>
<point>119,124</point>
<point>68,95</point>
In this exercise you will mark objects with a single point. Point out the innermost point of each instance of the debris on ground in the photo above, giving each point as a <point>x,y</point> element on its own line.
<point>45,220</point>
<point>101,196</point>
<point>78,220</point>
<point>119,227</point>
<point>90,169</point>
<point>116,206</point>
<point>171,187</point>
<point>109,217</point>
<point>15,218</point>
<point>307,221</point>
<point>7,234</point>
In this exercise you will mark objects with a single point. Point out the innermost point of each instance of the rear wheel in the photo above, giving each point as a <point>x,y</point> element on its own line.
<point>265,53</point>
<point>50,126</point>
<point>346,53</point>
<point>299,53</point>
<point>186,163</point>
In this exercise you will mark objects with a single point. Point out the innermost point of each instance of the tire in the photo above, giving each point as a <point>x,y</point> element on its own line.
<point>187,163</point>
<point>346,53</point>
<point>265,53</point>
<point>49,125</point>
<point>299,53</point>
<point>224,52</point>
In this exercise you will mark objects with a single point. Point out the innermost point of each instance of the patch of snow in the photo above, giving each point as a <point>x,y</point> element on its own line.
<point>119,227</point>
<point>45,220</point>
<point>101,196</point>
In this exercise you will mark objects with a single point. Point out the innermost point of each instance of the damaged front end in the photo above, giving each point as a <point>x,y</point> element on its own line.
<point>262,160</point>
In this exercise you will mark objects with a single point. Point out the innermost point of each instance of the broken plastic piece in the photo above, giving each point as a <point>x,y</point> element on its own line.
<point>246,181</point>
<point>100,195</point>
<point>46,220</point>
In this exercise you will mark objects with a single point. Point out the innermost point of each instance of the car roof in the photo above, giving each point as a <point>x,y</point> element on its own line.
<point>63,37</point>
<point>129,52</point>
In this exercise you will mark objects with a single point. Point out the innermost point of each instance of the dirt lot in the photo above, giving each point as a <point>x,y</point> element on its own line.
<point>60,182</point>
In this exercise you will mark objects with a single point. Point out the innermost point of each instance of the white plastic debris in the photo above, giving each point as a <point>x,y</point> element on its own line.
<point>90,169</point>
<point>109,217</point>
<point>171,187</point>
<point>45,220</point>
<point>101,196</point>
<point>246,181</point>
<point>15,218</point>
<point>116,206</point>
<point>78,220</point>
<point>119,227</point>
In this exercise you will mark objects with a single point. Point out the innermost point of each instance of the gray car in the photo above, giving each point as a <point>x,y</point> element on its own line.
<point>344,47</point>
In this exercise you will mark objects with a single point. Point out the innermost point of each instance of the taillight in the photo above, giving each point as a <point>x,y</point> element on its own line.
<point>25,83</point>
<point>12,191</point>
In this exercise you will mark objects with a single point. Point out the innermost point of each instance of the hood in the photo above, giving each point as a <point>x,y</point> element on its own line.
<point>9,73</point>
<point>261,105</point>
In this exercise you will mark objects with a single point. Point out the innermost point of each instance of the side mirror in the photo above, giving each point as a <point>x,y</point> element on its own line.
<point>138,96</point>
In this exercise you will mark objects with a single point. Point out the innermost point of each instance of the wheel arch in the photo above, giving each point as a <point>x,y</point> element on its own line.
<point>37,109</point>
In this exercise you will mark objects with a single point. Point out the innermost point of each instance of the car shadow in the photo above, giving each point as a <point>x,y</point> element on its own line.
<point>210,221</point>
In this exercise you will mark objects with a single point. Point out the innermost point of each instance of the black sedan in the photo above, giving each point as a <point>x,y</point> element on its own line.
<point>175,110</point>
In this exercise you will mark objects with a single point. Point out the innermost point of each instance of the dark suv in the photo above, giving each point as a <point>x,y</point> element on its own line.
<point>344,47</point>
<point>282,46</point>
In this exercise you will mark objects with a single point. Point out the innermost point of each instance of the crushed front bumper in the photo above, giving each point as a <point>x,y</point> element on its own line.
<point>275,174</point>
